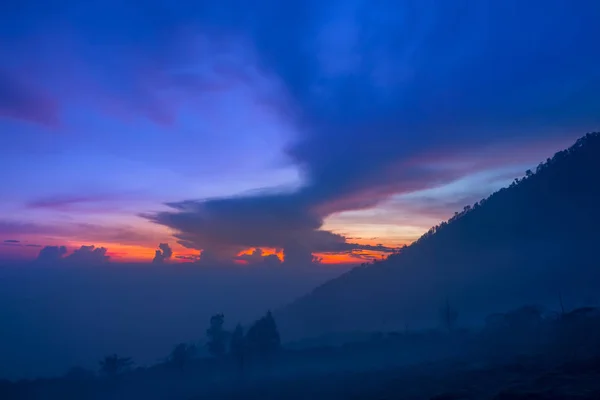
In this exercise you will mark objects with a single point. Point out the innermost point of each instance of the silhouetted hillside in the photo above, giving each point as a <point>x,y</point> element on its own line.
<point>527,243</point>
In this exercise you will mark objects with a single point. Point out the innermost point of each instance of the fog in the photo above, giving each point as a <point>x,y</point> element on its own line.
<point>57,317</point>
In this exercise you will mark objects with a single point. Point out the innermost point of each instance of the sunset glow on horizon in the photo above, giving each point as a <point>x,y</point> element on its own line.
<point>213,137</point>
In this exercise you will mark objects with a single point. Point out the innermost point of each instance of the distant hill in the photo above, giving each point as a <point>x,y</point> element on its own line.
<point>536,241</point>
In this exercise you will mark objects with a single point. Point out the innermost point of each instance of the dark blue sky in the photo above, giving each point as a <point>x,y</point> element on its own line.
<point>297,127</point>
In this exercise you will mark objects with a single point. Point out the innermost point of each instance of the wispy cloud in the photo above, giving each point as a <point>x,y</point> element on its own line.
<point>81,232</point>
<point>22,101</point>
<point>18,243</point>
<point>66,202</point>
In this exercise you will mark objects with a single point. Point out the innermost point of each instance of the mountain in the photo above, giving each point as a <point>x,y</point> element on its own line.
<point>534,242</point>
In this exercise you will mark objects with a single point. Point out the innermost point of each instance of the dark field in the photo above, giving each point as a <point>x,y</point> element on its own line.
<point>528,378</point>
<point>532,378</point>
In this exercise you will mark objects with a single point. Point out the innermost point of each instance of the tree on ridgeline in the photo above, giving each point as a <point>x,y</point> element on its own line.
<point>237,346</point>
<point>113,365</point>
<point>263,338</point>
<point>181,355</point>
<point>217,336</point>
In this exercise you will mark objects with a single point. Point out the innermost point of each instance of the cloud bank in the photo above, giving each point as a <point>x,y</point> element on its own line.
<point>85,255</point>
<point>382,87</point>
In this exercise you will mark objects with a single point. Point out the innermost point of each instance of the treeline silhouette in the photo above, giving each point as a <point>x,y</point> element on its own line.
<point>251,351</point>
<point>255,365</point>
<point>534,238</point>
<point>259,345</point>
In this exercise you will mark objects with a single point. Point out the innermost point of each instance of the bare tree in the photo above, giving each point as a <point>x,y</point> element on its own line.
<point>448,316</point>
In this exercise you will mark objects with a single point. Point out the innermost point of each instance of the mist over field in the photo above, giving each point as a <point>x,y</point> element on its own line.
<point>57,317</point>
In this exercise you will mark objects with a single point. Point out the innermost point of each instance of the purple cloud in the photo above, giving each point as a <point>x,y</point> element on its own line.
<point>18,243</point>
<point>64,202</point>
<point>85,255</point>
<point>225,227</point>
<point>23,101</point>
<point>8,227</point>
<point>123,234</point>
<point>88,255</point>
<point>51,254</point>
<point>130,83</point>
<point>164,253</point>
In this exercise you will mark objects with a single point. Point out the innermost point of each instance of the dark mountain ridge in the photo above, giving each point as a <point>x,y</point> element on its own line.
<point>532,242</point>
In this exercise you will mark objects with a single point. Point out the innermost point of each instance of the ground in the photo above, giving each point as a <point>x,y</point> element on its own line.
<point>532,378</point>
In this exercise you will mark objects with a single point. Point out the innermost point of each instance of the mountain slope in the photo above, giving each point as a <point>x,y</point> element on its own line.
<point>524,244</point>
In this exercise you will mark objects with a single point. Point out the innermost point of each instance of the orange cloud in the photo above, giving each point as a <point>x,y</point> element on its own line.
<point>123,253</point>
<point>354,257</point>
<point>266,251</point>
<point>143,252</point>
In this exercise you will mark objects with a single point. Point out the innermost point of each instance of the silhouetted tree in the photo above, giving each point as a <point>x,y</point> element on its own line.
<point>237,346</point>
<point>111,366</point>
<point>182,354</point>
<point>263,338</point>
<point>217,336</point>
<point>448,316</point>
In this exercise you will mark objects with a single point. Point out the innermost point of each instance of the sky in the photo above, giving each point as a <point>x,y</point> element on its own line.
<point>268,132</point>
